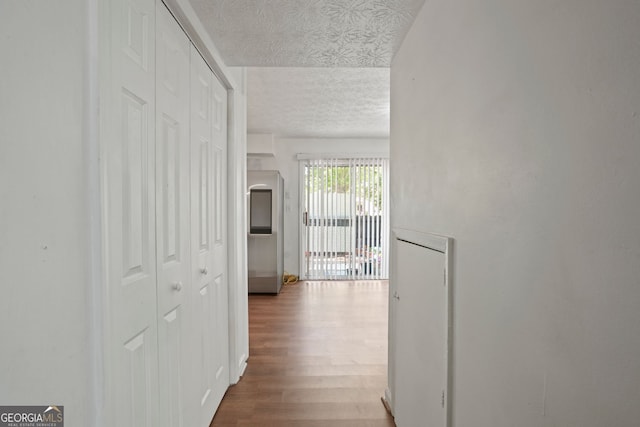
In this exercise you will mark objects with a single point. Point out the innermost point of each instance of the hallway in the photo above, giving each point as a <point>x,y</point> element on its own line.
<point>318,357</point>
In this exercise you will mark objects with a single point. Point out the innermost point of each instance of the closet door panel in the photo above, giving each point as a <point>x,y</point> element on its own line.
<point>172,216</point>
<point>202,231</point>
<point>129,216</point>
<point>208,204</point>
<point>219,293</point>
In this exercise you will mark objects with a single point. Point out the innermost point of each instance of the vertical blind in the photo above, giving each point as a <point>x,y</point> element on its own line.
<point>345,218</point>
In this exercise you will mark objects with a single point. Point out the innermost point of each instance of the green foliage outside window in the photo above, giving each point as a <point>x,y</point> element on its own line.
<point>365,181</point>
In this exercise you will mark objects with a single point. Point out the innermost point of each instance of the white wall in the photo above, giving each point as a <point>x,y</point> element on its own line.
<point>516,130</point>
<point>45,253</point>
<point>285,161</point>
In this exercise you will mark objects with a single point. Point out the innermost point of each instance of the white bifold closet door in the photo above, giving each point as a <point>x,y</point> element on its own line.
<point>164,122</point>
<point>131,357</point>
<point>208,237</point>
<point>172,219</point>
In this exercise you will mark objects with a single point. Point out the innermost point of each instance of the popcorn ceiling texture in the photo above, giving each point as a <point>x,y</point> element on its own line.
<point>307,33</point>
<point>319,102</point>
<point>322,65</point>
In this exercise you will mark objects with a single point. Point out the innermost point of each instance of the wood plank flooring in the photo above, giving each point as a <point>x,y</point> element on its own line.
<point>317,357</point>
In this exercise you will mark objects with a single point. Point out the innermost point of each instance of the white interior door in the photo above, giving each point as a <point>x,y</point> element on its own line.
<point>172,217</point>
<point>208,243</point>
<point>132,349</point>
<point>420,344</point>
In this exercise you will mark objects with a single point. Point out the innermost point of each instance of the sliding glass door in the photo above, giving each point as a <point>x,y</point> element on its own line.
<point>345,219</point>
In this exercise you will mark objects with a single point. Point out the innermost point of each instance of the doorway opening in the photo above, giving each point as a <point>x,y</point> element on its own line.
<point>345,218</point>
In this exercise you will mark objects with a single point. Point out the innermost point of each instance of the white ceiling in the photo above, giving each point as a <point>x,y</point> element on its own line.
<point>319,102</point>
<point>331,59</point>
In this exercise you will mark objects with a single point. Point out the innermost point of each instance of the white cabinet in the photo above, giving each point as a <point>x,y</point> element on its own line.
<point>419,356</point>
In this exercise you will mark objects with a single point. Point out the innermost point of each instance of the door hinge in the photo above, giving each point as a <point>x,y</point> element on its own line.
<point>443,398</point>
<point>445,278</point>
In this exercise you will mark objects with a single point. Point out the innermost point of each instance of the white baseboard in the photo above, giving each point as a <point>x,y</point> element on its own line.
<point>387,401</point>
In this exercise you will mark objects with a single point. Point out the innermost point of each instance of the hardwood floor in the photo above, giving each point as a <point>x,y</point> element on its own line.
<point>318,357</point>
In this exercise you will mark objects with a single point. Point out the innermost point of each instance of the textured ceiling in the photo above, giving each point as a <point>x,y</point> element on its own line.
<point>322,65</point>
<point>307,33</point>
<point>319,102</point>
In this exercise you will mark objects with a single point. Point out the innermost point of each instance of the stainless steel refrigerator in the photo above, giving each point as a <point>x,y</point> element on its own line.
<point>265,191</point>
